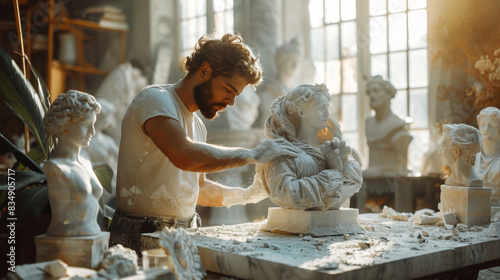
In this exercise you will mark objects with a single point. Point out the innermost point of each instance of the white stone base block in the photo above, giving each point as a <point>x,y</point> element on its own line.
<point>315,223</point>
<point>471,205</point>
<point>81,251</point>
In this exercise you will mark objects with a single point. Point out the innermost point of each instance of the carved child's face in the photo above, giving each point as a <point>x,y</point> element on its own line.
<point>315,113</point>
<point>489,128</point>
<point>80,132</point>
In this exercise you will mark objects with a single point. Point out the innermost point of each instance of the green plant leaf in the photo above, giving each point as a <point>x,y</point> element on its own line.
<point>104,173</point>
<point>36,155</point>
<point>7,147</point>
<point>21,97</point>
<point>43,92</point>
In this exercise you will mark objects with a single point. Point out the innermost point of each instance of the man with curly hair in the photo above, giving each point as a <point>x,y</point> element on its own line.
<point>163,155</point>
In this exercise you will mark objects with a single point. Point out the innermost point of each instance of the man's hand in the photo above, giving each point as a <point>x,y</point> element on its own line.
<point>271,149</point>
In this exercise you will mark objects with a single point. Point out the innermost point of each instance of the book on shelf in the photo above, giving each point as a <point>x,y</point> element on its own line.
<point>103,9</point>
<point>106,16</point>
<point>113,24</point>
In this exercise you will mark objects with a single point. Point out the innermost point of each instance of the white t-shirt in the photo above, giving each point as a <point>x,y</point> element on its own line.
<point>147,181</point>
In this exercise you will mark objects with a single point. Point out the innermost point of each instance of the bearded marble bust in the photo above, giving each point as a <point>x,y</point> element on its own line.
<point>73,187</point>
<point>458,148</point>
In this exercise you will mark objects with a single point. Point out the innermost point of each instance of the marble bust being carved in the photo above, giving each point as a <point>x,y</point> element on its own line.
<point>459,145</point>
<point>324,175</point>
<point>73,187</point>
<point>387,135</point>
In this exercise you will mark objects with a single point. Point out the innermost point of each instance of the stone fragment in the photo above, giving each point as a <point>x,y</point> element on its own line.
<point>369,228</point>
<point>423,219</point>
<point>399,217</point>
<point>319,243</point>
<point>450,218</point>
<point>387,212</point>
<point>364,245</point>
<point>462,227</point>
<point>57,269</point>
<point>425,211</point>
<point>425,233</point>
<point>347,236</point>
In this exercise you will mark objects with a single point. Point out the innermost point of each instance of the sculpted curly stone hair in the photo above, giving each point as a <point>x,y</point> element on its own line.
<point>492,112</point>
<point>67,109</point>
<point>227,56</point>
<point>462,139</point>
<point>388,87</point>
<point>285,113</point>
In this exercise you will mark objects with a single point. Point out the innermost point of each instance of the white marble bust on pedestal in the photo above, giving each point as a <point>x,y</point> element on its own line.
<point>459,145</point>
<point>74,189</point>
<point>387,135</point>
<point>463,192</point>
<point>73,236</point>
<point>323,175</point>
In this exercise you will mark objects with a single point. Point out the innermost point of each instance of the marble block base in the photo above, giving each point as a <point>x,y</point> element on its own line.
<point>315,223</point>
<point>471,205</point>
<point>81,251</point>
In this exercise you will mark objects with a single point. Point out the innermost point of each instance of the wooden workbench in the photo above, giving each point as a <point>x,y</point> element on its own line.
<point>388,250</point>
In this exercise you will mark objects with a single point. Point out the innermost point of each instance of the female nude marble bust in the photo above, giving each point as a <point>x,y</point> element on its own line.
<point>459,145</point>
<point>387,135</point>
<point>488,160</point>
<point>74,189</point>
<point>323,175</point>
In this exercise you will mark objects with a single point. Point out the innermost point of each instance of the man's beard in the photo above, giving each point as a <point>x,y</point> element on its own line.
<point>203,96</point>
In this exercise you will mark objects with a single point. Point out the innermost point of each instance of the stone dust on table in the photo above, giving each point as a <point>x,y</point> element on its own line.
<point>384,240</point>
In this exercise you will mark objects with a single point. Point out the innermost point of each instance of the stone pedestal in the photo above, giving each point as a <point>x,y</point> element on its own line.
<point>315,223</point>
<point>81,251</point>
<point>471,205</point>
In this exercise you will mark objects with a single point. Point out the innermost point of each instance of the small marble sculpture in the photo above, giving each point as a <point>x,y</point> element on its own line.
<point>488,160</point>
<point>182,254</point>
<point>286,59</point>
<point>73,187</point>
<point>387,134</point>
<point>323,175</point>
<point>118,262</point>
<point>463,192</point>
<point>459,145</point>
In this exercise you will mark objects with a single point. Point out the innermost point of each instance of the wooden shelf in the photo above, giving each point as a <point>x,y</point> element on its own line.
<point>58,72</point>
<point>79,68</point>
<point>91,25</point>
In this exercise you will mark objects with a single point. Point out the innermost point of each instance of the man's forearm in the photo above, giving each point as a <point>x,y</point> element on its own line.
<point>210,158</point>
